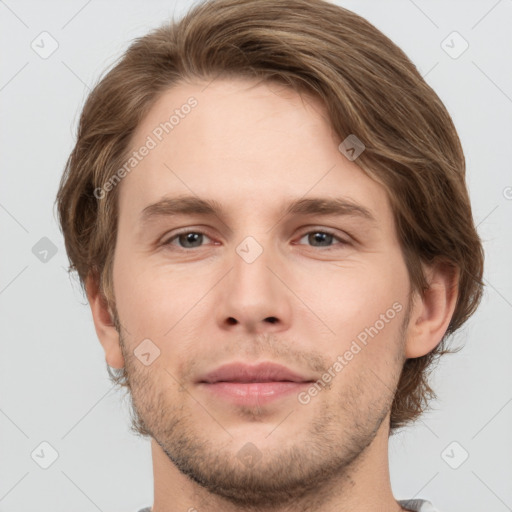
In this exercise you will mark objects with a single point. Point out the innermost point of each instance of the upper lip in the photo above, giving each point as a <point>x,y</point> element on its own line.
<point>262,372</point>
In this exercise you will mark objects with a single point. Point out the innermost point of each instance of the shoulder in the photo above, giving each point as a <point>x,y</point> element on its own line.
<point>412,505</point>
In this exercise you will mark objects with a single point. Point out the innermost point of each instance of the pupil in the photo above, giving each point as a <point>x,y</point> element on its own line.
<point>321,237</point>
<point>189,237</point>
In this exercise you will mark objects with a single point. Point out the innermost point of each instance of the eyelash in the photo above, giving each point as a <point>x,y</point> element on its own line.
<point>198,232</point>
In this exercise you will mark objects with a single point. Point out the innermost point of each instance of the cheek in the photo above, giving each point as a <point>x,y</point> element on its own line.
<point>149,299</point>
<point>363,302</point>
<point>161,302</point>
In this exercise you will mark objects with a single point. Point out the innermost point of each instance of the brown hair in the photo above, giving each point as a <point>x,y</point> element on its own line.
<point>370,89</point>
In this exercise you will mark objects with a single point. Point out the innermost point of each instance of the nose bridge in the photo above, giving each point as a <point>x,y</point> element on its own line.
<point>252,279</point>
<point>255,250</point>
<point>253,295</point>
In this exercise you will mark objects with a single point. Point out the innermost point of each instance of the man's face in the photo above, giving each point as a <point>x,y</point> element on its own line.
<point>331,284</point>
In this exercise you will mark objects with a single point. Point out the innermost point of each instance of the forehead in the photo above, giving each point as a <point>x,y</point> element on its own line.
<point>240,142</point>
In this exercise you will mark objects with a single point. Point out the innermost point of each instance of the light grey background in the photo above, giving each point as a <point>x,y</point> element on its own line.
<point>53,383</point>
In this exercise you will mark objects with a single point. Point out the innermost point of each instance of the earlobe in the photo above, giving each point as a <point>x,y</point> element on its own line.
<point>103,323</point>
<point>432,312</point>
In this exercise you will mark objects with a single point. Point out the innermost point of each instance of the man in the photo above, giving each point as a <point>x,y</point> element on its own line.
<point>257,208</point>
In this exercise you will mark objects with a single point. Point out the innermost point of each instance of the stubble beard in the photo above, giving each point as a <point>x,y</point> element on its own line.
<point>332,446</point>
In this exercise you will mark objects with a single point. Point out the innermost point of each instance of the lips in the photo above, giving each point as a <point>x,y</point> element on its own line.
<point>246,373</point>
<point>259,385</point>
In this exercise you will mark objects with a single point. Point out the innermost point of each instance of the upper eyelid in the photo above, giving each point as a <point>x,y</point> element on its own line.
<point>330,231</point>
<point>307,230</point>
<point>340,238</point>
<point>166,238</point>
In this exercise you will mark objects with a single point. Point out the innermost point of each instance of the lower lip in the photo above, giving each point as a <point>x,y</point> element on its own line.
<point>254,393</point>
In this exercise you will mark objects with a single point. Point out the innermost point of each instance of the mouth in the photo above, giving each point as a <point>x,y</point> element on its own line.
<point>253,385</point>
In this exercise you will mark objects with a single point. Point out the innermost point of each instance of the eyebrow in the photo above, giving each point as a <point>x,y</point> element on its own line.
<point>192,205</point>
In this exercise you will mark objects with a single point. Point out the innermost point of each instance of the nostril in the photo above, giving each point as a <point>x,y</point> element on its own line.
<point>271,319</point>
<point>231,321</point>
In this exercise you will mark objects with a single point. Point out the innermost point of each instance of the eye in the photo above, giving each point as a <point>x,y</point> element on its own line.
<point>187,239</point>
<point>194,239</point>
<point>323,238</point>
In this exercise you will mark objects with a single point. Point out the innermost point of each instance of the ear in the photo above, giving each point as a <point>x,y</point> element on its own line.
<point>103,323</point>
<point>431,313</point>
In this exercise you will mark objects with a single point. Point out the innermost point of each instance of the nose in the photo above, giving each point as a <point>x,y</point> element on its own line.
<point>254,297</point>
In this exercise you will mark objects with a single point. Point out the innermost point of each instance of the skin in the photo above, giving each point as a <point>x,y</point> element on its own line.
<point>253,147</point>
